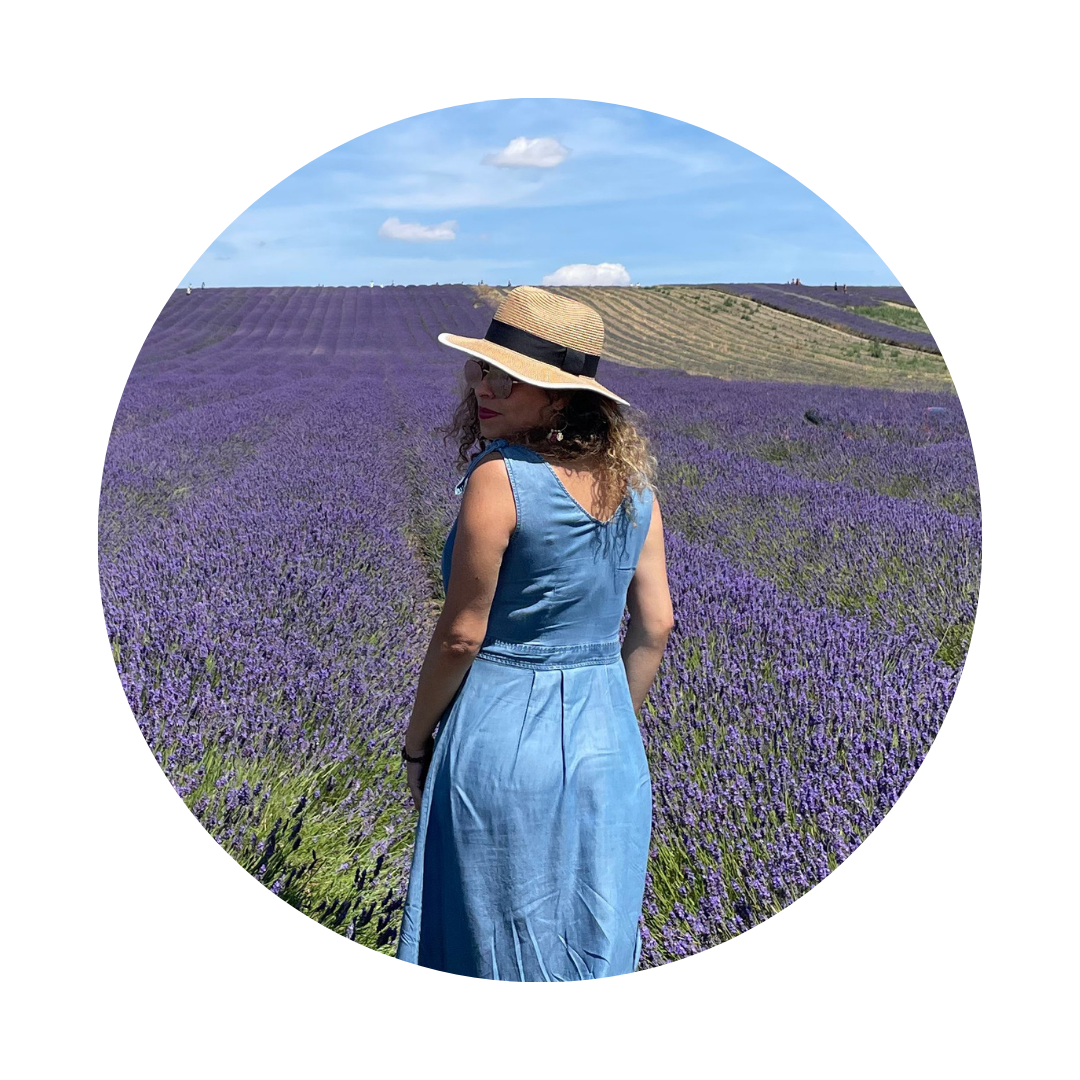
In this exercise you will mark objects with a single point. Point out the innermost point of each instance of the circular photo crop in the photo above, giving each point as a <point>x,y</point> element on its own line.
<point>539,540</point>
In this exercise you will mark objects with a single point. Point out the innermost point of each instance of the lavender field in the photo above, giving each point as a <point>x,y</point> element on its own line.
<point>273,505</point>
<point>865,310</point>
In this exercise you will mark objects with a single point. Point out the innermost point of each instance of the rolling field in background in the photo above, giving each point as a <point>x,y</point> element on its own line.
<point>702,330</point>
<point>273,507</point>
<point>881,313</point>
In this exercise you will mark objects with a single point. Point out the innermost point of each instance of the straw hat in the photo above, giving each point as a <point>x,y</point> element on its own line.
<point>542,339</point>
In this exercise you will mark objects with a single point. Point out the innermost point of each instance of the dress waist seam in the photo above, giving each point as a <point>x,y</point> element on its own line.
<point>534,655</point>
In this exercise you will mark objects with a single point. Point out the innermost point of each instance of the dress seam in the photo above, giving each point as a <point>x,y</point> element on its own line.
<point>539,665</point>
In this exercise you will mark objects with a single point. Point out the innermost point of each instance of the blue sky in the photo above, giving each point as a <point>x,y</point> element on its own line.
<point>538,191</point>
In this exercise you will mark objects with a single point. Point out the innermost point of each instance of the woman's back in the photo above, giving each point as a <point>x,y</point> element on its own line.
<point>580,478</point>
<point>565,573</point>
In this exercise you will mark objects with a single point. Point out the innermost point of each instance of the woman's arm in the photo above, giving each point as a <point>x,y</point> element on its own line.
<point>486,520</point>
<point>651,616</point>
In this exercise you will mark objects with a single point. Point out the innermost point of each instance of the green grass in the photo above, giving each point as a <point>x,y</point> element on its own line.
<point>685,473</point>
<point>777,451</point>
<point>905,317</point>
<point>954,642</point>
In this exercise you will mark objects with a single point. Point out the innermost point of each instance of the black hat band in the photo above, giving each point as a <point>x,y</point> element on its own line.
<point>572,361</point>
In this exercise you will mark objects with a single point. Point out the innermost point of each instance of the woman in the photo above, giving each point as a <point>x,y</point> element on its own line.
<point>535,799</point>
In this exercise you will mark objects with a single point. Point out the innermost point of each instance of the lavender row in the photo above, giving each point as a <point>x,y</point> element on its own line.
<point>246,535</point>
<point>254,627</point>
<point>840,297</point>
<point>847,295</point>
<point>816,308</point>
<point>779,735</point>
<point>240,576</point>
<point>913,445</point>
<point>896,562</point>
<point>292,316</point>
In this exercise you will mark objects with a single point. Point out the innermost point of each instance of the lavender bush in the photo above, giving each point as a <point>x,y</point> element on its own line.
<point>272,510</point>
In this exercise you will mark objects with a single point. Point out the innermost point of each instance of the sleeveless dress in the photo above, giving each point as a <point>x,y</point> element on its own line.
<point>534,826</point>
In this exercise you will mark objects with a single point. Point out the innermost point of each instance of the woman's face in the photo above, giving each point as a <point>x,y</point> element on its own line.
<point>526,407</point>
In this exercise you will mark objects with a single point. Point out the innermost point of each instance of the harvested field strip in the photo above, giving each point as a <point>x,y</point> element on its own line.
<point>754,332</point>
<point>655,319</point>
<point>656,326</point>
<point>729,351</point>
<point>702,334</point>
<point>690,329</point>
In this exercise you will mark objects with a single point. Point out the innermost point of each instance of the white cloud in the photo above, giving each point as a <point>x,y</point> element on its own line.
<point>392,229</point>
<point>522,153</point>
<point>589,274</point>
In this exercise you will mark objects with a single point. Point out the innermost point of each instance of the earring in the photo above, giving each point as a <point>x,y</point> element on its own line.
<point>556,433</point>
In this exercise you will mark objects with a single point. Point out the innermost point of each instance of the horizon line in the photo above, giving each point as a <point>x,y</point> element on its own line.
<point>492,285</point>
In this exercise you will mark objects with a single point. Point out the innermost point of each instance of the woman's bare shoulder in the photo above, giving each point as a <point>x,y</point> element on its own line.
<point>489,496</point>
<point>492,463</point>
<point>490,477</point>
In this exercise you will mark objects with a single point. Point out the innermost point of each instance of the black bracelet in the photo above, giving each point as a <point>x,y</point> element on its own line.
<point>428,743</point>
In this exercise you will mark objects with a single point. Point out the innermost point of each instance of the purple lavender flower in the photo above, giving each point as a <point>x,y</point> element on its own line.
<point>268,463</point>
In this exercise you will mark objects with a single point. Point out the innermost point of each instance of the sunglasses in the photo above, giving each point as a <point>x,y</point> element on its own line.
<point>501,384</point>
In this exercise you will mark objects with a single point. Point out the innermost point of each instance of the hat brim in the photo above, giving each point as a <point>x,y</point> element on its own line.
<point>525,368</point>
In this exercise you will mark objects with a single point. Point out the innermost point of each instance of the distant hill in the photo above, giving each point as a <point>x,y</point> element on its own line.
<point>839,295</point>
<point>712,330</point>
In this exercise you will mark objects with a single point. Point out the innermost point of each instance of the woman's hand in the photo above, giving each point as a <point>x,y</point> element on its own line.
<point>415,771</point>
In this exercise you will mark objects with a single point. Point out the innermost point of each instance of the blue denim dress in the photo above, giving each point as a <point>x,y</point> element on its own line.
<point>533,832</point>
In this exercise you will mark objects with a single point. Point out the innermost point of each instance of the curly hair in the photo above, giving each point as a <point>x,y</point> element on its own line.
<point>597,428</point>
